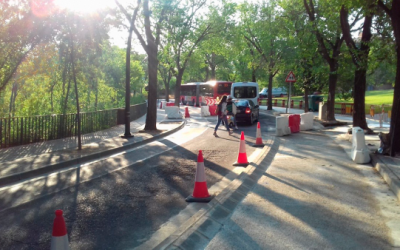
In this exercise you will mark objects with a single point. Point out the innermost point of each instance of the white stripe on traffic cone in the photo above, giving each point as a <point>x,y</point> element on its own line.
<point>259,142</point>
<point>200,191</point>
<point>242,156</point>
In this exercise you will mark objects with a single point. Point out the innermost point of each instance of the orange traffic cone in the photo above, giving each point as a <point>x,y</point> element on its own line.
<point>259,142</point>
<point>187,112</point>
<point>200,191</point>
<point>242,157</point>
<point>59,239</point>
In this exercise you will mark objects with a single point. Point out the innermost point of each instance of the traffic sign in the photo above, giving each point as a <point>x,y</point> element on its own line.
<point>290,77</point>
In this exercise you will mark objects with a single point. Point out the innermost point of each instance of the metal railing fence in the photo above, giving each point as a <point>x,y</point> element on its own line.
<point>24,130</point>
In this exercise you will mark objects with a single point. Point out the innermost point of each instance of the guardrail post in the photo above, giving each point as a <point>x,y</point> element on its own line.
<point>301,104</point>
<point>291,103</point>
<point>283,103</point>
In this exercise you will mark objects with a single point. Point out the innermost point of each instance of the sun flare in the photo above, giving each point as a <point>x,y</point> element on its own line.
<point>83,6</point>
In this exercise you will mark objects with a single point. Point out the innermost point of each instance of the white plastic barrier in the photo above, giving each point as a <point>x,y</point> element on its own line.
<point>205,111</point>
<point>359,151</point>
<point>173,112</point>
<point>282,126</point>
<point>164,104</point>
<point>306,121</point>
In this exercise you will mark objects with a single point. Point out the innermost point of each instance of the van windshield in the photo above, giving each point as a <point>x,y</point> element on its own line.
<point>245,92</point>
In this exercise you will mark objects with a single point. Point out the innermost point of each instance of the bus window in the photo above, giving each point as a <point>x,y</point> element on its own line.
<point>223,88</point>
<point>188,90</point>
<point>206,90</point>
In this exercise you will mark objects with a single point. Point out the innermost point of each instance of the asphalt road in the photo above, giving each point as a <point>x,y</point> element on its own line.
<point>122,209</point>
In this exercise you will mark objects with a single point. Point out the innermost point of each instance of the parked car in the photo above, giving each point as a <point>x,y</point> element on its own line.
<point>247,111</point>
<point>276,92</point>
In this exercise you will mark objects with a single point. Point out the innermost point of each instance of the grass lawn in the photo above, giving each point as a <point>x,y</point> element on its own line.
<point>374,97</point>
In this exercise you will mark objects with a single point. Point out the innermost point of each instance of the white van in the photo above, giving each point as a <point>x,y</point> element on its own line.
<point>245,90</point>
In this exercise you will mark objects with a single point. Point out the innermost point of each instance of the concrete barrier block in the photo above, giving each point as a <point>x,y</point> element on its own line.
<point>164,104</point>
<point>306,121</point>
<point>359,151</point>
<point>173,112</point>
<point>282,126</point>
<point>205,111</point>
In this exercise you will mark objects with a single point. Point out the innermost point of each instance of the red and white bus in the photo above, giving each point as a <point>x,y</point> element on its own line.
<point>190,93</point>
<point>212,90</point>
<point>204,93</point>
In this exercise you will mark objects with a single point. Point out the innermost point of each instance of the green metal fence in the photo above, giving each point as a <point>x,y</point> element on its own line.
<point>24,130</point>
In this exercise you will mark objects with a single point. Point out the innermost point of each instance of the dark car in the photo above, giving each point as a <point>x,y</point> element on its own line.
<point>247,111</point>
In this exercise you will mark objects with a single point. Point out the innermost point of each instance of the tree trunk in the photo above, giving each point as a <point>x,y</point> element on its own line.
<point>359,99</point>
<point>213,66</point>
<point>395,121</point>
<point>151,117</point>
<point>167,84</point>
<point>330,109</point>
<point>178,86</point>
<point>253,75</point>
<point>96,96</point>
<point>207,72</point>
<point>78,117</point>
<point>270,77</point>
<point>306,93</point>
<point>127,133</point>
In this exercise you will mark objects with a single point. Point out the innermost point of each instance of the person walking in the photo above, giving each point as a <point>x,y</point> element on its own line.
<point>231,108</point>
<point>222,115</point>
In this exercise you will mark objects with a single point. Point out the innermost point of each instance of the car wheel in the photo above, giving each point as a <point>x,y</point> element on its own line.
<point>258,116</point>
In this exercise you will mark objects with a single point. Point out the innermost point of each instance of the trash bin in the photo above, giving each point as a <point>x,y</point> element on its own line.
<point>313,102</point>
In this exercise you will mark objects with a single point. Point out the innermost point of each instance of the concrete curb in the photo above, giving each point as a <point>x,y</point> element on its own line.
<point>11,179</point>
<point>390,178</point>
<point>199,230</point>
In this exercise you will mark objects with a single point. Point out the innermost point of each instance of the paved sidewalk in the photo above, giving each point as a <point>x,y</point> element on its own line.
<point>306,193</point>
<point>388,167</point>
<point>26,161</point>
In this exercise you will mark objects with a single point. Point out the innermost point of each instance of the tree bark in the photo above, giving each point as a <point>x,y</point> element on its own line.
<point>330,106</point>
<point>78,117</point>
<point>178,86</point>
<point>360,59</point>
<point>151,118</point>
<point>127,133</point>
<point>360,83</point>
<point>306,93</point>
<point>270,77</point>
<point>395,120</point>
<point>331,60</point>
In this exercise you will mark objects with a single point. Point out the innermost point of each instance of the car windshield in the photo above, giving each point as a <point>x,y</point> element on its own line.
<point>242,103</point>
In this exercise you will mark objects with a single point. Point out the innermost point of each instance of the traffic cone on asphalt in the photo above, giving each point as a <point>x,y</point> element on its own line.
<point>200,191</point>
<point>259,142</point>
<point>242,157</point>
<point>59,239</point>
<point>187,112</point>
